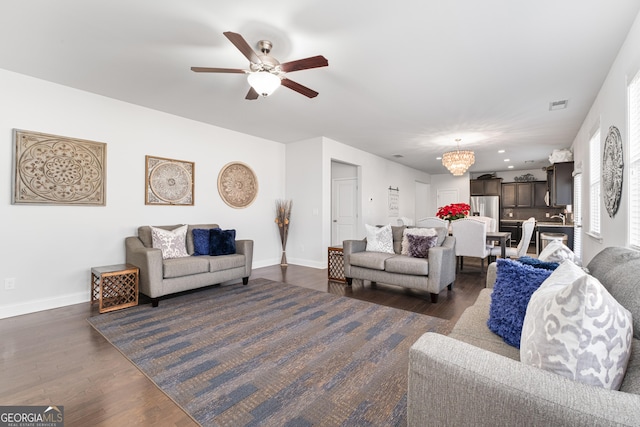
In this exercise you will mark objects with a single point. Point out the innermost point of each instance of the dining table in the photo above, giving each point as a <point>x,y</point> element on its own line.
<point>503,237</point>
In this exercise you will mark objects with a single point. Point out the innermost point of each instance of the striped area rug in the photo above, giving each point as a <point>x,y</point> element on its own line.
<point>273,354</point>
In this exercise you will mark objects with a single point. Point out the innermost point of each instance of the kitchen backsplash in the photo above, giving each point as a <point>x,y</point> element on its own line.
<point>538,213</point>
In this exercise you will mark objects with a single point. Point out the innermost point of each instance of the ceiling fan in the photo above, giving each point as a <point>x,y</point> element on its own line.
<point>265,72</point>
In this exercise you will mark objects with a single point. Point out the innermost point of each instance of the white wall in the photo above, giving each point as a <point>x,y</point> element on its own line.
<point>309,186</point>
<point>609,109</point>
<point>448,182</point>
<point>50,249</point>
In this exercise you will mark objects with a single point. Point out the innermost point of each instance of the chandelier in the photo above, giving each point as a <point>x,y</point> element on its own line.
<point>458,161</point>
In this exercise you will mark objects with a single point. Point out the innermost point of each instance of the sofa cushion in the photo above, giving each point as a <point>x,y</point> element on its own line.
<point>226,262</point>
<point>415,232</point>
<point>407,265</point>
<point>178,267</point>
<point>144,233</point>
<point>419,245</point>
<point>373,260</point>
<point>379,239</point>
<point>201,245</point>
<point>515,282</point>
<point>222,242</point>
<point>171,243</point>
<point>190,247</point>
<point>578,331</point>
<point>397,231</point>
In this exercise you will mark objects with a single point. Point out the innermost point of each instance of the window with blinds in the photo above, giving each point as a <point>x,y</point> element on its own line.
<point>577,215</point>
<point>594,183</point>
<point>633,97</point>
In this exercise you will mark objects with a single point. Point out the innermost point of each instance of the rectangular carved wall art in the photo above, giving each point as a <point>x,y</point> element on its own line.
<point>56,170</point>
<point>169,182</point>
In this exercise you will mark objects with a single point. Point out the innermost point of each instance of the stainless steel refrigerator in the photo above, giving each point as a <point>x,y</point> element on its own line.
<point>486,206</point>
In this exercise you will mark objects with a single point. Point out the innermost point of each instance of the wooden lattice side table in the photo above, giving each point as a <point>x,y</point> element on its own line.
<point>336,264</point>
<point>114,286</point>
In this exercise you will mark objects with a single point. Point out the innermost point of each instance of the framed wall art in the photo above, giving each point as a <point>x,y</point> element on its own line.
<point>169,182</point>
<point>58,170</point>
<point>612,167</point>
<point>237,185</point>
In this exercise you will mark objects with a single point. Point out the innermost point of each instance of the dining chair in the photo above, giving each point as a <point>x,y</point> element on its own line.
<point>492,225</point>
<point>431,222</point>
<point>523,244</point>
<point>471,240</point>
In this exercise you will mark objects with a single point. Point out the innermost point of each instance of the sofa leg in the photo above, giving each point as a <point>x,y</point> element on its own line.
<point>245,280</point>
<point>349,281</point>
<point>450,286</point>
<point>434,298</point>
<point>154,302</point>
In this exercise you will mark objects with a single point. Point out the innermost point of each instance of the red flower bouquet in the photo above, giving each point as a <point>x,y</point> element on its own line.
<point>453,211</point>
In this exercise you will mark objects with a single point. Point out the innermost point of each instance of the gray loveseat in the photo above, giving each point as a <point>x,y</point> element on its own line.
<point>160,277</point>
<point>471,377</point>
<point>430,274</point>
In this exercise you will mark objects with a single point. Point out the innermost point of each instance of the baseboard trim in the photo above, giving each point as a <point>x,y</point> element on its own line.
<point>43,304</point>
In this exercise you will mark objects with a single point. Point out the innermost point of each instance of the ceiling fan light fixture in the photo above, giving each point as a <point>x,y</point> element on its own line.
<point>458,161</point>
<point>264,82</point>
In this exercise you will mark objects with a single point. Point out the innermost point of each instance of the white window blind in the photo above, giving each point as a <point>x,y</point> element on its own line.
<point>577,215</point>
<point>594,183</point>
<point>633,97</point>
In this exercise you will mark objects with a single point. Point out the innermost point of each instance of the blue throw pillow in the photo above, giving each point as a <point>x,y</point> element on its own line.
<point>535,262</point>
<point>222,242</point>
<point>200,241</point>
<point>515,282</point>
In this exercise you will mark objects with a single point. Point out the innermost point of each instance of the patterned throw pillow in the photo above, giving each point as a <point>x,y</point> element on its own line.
<point>416,232</point>
<point>577,330</point>
<point>515,283</point>
<point>556,251</point>
<point>379,239</point>
<point>173,244</point>
<point>419,245</point>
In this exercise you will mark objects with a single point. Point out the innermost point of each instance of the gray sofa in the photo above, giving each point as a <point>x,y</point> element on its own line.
<point>160,277</point>
<point>471,377</point>
<point>430,274</point>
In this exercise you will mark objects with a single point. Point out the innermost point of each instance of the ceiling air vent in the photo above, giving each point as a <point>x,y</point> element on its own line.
<point>558,105</point>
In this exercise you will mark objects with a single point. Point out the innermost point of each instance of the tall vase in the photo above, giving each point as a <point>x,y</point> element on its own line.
<point>283,261</point>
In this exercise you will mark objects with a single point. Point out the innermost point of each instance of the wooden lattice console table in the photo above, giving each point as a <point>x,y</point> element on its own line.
<point>114,286</point>
<point>336,264</point>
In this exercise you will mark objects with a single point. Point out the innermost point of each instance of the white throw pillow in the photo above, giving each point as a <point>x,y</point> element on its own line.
<point>575,328</point>
<point>379,239</point>
<point>404,250</point>
<point>172,243</point>
<point>556,251</point>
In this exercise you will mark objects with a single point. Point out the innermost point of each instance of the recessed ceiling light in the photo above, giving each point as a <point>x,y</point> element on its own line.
<point>507,160</point>
<point>438,158</point>
<point>558,105</point>
<point>510,167</point>
<point>500,151</point>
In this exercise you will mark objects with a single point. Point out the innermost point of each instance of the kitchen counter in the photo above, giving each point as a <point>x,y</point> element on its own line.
<point>553,224</point>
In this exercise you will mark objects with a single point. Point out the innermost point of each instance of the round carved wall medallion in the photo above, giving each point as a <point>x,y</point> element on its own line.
<point>612,166</point>
<point>170,182</point>
<point>237,185</point>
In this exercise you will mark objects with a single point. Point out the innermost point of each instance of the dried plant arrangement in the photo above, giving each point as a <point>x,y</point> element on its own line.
<point>283,219</point>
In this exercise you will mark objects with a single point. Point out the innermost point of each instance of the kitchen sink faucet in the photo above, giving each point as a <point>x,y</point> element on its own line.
<point>561,216</point>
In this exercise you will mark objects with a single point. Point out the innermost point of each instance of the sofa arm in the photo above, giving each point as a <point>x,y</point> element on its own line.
<point>455,383</point>
<point>442,265</point>
<point>492,274</point>
<point>245,247</point>
<point>149,261</point>
<point>351,247</point>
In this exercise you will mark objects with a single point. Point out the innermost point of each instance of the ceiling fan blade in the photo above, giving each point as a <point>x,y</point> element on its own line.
<point>218,70</point>
<point>241,44</point>
<point>299,88</point>
<point>304,64</point>
<point>252,94</point>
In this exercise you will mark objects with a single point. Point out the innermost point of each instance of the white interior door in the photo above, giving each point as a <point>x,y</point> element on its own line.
<point>446,197</point>
<point>344,209</point>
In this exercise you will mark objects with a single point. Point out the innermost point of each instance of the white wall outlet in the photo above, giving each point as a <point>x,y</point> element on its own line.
<point>510,214</point>
<point>9,283</point>
<point>546,214</point>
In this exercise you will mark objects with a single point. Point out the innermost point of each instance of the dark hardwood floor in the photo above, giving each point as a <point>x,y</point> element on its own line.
<point>55,357</point>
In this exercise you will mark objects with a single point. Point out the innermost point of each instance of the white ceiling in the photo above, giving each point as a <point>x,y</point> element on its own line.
<point>407,77</point>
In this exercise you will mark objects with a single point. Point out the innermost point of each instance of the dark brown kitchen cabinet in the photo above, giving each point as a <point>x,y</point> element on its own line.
<point>540,189</point>
<point>517,195</point>
<point>560,182</point>
<point>485,187</point>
